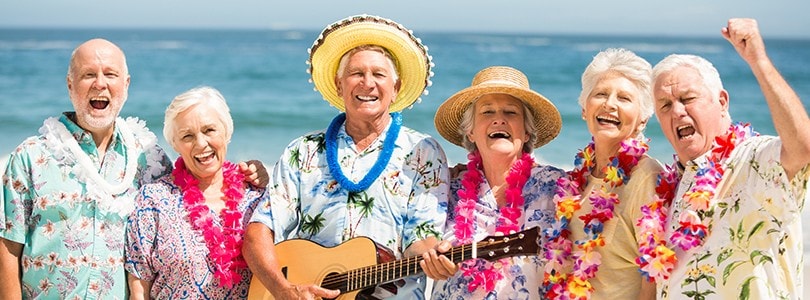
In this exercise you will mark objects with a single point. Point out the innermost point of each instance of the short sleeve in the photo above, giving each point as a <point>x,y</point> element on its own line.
<point>427,207</point>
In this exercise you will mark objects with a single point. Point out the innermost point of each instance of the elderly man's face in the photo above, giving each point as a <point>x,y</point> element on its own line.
<point>689,113</point>
<point>367,84</point>
<point>98,84</point>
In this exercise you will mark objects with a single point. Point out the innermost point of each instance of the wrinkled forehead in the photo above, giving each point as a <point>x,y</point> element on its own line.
<point>100,56</point>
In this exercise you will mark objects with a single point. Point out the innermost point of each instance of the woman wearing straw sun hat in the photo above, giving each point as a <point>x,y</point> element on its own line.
<point>366,174</point>
<point>500,121</point>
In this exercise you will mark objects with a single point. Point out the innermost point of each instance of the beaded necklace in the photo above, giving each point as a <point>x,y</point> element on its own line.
<point>379,165</point>
<point>224,242</point>
<point>507,222</point>
<point>657,260</point>
<point>557,283</point>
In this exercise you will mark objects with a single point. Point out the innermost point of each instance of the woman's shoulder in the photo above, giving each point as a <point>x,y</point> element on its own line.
<point>157,194</point>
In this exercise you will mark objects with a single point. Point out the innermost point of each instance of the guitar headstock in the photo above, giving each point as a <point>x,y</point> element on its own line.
<point>520,243</point>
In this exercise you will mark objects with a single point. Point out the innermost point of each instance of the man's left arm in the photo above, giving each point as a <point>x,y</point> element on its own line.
<point>427,209</point>
<point>789,115</point>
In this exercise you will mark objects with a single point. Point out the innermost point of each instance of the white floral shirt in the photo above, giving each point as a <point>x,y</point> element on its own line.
<point>753,249</point>
<point>406,203</point>
<point>72,231</point>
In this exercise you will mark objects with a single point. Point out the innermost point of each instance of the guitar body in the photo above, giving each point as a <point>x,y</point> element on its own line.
<point>305,262</point>
<point>359,264</point>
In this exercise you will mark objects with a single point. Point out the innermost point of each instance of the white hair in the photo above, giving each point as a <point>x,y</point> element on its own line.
<point>203,95</point>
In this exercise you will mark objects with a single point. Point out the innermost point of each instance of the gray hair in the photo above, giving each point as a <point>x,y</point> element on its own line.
<point>467,120</point>
<point>368,47</point>
<point>707,71</point>
<point>203,95</point>
<point>627,64</point>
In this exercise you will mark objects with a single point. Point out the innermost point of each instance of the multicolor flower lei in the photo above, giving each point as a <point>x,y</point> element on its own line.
<point>507,223</point>
<point>224,243</point>
<point>657,259</point>
<point>559,252</point>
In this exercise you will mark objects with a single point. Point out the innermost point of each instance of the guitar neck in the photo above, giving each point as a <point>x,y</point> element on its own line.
<point>491,247</point>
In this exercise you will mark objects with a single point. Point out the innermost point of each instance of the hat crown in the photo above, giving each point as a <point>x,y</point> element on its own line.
<point>501,75</point>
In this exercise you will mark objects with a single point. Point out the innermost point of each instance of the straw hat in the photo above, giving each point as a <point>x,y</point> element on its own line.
<point>410,57</point>
<point>498,80</point>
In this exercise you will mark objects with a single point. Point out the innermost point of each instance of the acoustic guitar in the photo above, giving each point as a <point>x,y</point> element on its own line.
<point>356,264</point>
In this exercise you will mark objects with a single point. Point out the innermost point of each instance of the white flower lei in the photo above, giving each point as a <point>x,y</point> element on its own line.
<point>118,198</point>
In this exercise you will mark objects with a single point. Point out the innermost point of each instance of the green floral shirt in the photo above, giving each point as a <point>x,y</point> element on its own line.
<point>72,228</point>
<point>753,249</point>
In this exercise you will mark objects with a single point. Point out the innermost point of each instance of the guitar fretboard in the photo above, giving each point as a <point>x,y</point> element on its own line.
<point>492,248</point>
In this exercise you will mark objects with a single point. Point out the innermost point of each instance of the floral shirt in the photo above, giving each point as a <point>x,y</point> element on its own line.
<point>406,203</point>
<point>753,249</point>
<point>522,275</point>
<point>163,248</point>
<point>71,227</point>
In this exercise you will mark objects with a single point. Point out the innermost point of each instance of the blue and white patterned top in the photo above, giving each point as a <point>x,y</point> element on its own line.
<point>522,275</point>
<point>405,204</point>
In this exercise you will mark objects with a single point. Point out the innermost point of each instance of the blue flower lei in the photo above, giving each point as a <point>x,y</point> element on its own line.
<point>379,165</point>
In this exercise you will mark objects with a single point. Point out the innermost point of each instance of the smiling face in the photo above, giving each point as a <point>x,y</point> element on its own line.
<point>498,125</point>
<point>201,139</point>
<point>368,84</point>
<point>612,110</point>
<point>691,116</point>
<point>97,83</point>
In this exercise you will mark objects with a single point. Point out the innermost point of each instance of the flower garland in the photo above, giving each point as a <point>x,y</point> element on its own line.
<point>224,242</point>
<point>557,283</point>
<point>657,260</point>
<point>136,138</point>
<point>507,222</point>
<point>379,165</point>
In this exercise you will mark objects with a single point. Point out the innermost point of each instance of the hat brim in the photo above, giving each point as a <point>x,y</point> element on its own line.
<point>410,57</point>
<point>546,117</point>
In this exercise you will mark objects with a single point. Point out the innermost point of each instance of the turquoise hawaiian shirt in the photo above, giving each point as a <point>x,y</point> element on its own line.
<point>72,231</point>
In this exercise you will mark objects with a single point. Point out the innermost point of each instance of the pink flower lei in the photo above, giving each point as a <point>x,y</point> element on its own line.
<point>224,243</point>
<point>559,250</point>
<point>507,223</point>
<point>656,259</point>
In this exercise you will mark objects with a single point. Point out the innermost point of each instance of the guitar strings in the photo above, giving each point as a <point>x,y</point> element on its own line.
<point>363,277</point>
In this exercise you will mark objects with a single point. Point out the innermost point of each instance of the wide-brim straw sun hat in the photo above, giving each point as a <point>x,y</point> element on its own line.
<point>409,54</point>
<point>498,80</point>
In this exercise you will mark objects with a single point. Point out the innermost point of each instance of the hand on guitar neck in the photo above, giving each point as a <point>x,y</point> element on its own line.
<point>357,264</point>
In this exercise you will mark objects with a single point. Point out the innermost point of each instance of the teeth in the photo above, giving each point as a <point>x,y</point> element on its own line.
<point>608,118</point>
<point>683,127</point>
<point>203,155</point>
<point>99,99</point>
<point>367,98</point>
<point>499,134</point>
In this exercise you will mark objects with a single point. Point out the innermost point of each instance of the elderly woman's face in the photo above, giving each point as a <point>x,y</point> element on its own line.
<point>613,109</point>
<point>367,84</point>
<point>201,140</point>
<point>498,124</point>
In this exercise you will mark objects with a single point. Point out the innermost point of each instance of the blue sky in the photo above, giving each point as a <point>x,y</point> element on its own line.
<point>777,18</point>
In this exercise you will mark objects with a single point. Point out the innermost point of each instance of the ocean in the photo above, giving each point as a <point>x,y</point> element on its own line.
<point>262,74</point>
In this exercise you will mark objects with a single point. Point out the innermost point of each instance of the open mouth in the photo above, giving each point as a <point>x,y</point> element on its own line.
<point>685,131</point>
<point>205,157</point>
<point>607,119</point>
<point>366,98</point>
<point>500,135</point>
<point>99,102</point>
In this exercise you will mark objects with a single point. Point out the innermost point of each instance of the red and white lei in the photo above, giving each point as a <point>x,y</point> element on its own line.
<point>559,250</point>
<point>657,259</point>
<point>224,242</point>
<point>507,223</point>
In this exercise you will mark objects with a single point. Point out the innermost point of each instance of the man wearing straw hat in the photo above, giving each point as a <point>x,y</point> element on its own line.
<point>365,175</point>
